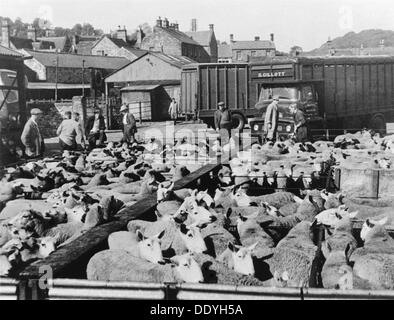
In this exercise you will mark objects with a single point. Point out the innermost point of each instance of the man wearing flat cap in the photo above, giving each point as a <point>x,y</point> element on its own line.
<point>95,129</point>
<point>271,119</point>
<point>31,135</point>
<point>223,119</point>
<point>129,124</point>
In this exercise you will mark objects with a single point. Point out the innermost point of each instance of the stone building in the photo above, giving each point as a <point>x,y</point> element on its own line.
<point>205,38</point>
<point>240,51</point>
<point>166,38</point>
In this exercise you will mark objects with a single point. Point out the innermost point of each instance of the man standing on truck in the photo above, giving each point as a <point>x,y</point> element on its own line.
<point>271,120</point>
<point>31,136</point>
<point>300,125</point>
<point>223,120</point>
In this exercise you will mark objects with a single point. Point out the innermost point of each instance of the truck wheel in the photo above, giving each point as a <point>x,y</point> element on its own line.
<point>238,121</point>
<point>378,124</point>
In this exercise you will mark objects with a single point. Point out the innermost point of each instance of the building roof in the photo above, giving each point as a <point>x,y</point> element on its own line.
<point>251,45</point>
<point>60,42</point>
<point>224,51</point>
<point>52,86</point>
<point>202,37</point>
<point>137,52</point>
<point>179,35</point>
<point>118,42</point>
<point>155,82</point>
<point>141,87</point>
<point>67,60</point>
<point>85,47</point>
<point>4,51</point>
<point>21,43</point>
<point>177,61</point>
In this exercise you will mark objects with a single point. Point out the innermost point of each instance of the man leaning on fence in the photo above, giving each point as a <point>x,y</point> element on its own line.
<point>67,132</point>
<point>129,124</point>
<point>95,129</point>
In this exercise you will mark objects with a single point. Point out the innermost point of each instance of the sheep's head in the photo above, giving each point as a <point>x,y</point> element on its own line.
<point>280,280</point>
<point>240,197</point>
<point>242,258</point>
<point>187,268</point>
<point>369,224</point>
<point>46,245</point>
<point>243,220</point>
<point>191,236</point>
<point>149,247</point>
<point>163,193</point>
<point>271,210</point>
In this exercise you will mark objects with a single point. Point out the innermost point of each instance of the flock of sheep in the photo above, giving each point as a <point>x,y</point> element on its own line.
<point>255,221</point>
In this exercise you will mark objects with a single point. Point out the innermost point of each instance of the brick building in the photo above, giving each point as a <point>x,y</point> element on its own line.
<point>46,69</point>
<point>240,51</point>
<point>167,38</point>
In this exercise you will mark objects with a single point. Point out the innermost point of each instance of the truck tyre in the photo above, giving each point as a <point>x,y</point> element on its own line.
<point>238,121</point>
<point>378,124</point>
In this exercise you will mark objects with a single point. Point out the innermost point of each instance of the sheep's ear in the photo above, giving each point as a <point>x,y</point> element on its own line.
<point>183,228</point>
<point>140,236</point>
<point>160,235</point>
<point>347,251</point>
<point>328,246</point>
<point>285,276</point>
<point>232,247</point>
<point>265,205</point>
<point>158,214</point>
<point>175,260</point>
<point>323,195</point>
<point>229,212</point>
<point>369,223</point>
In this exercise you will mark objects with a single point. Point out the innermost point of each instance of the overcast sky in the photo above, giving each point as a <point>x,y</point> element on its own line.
<point>307,23</point>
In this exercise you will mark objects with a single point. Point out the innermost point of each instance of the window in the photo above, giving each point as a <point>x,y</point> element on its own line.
<point>238,55</point>
<point>253,53</point>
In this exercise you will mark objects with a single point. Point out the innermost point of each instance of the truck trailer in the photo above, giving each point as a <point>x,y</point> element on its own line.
<point>336,93</point>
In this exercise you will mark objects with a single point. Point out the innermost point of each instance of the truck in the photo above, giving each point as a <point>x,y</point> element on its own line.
<point>336,93</point>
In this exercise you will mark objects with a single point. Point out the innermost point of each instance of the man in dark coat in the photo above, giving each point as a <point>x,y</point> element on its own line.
<point>129,124</point>
<point>223,120</point>
<point>300,124</point>
<point>31,135</point>
<point>95,129</point>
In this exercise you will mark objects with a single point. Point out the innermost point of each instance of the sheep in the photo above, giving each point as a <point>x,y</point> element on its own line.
<point>216,238</point>
<point>368,226</point>
<point>216,272</point>
<point>119,265</point>
<point>239,258</point>
<point>14,207</point>
<point>295,254</point>
<point>374,262</point>
<point>8,192</point>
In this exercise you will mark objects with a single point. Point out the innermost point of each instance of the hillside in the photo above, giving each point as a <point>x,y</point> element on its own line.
<point>367,38</point>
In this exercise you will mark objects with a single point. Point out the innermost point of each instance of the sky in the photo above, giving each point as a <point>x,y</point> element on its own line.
<point>307,23</point>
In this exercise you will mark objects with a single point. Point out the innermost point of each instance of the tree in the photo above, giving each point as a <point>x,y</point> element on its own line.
<point>87,29</point>
<point>295,50</point>
<point>77,29</point>
<point>20,28</point>
<point>61,32</point>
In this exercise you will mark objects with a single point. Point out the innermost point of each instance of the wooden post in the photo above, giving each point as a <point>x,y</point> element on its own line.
<point>140,109</point>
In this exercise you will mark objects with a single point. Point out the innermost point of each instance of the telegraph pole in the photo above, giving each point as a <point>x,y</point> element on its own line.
<point>83,80</point>
<point>57,73</point>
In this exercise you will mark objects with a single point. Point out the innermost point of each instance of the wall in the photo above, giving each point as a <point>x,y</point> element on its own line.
<point>68,75</point>
<point>246,53</point>
<point>196,53</point>
<point>106,45</point>
<point>122,52</point>
<point>37,68</point>
<point>159,40</point>
<point>213,49</point>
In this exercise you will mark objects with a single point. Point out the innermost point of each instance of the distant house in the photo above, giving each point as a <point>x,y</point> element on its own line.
<point>48,70</point>
<point>205,38</point>
<point>121,44</point>
<point>169,40</point>
<point>240,51</point>
<point>153,79</point>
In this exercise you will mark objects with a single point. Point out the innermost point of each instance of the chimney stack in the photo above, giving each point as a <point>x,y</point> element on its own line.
<point>139,38</point>
<point>166,24</point>
<point>256,38</point>
<point>159,23</point>
<point>194,25</point>
<point>272,37</point>
<point>211,27</point>
<point>122,34</point>
<point>5,33</point>
<point>31,33</point>
<point>231,38</point>
<point>176,26</point>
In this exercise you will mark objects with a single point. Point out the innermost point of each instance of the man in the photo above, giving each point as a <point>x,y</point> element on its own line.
<point>300,125</point>
<point>173,110</point>
<point>31,136</point>
<point>67,132</point>
<point>223,119</point>
<point>271,120</point>
<point>129,125</point>
<point>94,129</point>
